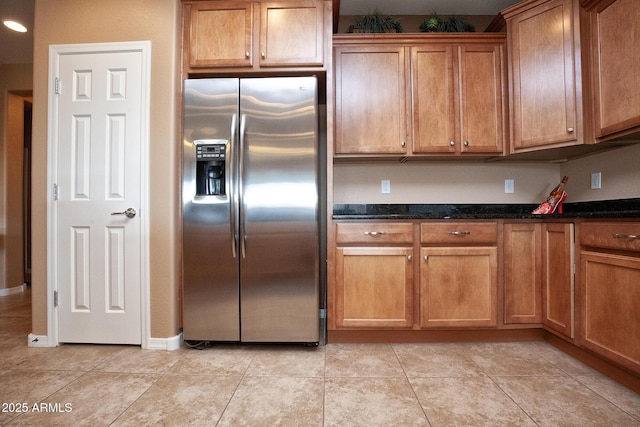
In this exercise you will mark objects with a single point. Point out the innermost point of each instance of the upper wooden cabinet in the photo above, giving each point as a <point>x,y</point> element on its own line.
<point>253,35</point>
<point>457,98</point>
<point>371,99</point>
<point>543,73</point>
<point>613,59</point>
<point>419,95</point>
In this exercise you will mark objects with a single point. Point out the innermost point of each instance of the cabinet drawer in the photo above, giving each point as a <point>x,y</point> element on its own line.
<point>374,232</point>
<point>623,235</point>
<point>459,232</point>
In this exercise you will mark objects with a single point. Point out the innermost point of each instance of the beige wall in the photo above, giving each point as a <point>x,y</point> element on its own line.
<point>620,169</point>
<point>93,21</point>
<point>14,79</point>
<point>475,182</point>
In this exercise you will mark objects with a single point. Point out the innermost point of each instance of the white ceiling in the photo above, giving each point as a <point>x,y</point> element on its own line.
<point>16,48</point>
<point>425,7</point>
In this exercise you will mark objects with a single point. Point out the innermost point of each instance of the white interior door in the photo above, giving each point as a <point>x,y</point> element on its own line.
<point>98,195</point>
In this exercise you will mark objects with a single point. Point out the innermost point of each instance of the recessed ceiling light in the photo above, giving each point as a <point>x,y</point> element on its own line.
<point>15,26</point>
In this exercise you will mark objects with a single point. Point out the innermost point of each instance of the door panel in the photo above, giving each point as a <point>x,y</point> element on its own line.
<point>98,254</point>
<point>279,210</point>
<point>210,259</point>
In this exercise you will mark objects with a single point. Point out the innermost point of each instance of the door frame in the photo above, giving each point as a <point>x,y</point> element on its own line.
<point>55,53</point>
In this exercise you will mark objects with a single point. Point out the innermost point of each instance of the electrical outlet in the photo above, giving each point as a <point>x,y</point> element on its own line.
<point>509,186</point>
<point>385,186</point>
<point>596,180</point>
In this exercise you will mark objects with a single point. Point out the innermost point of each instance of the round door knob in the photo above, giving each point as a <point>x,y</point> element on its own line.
<point>452,143</point>
<point>466,143</point>
<point>246,54</point>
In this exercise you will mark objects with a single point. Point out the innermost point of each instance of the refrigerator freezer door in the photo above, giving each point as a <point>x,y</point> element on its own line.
<point>210,267</point>
<point>279,210</point>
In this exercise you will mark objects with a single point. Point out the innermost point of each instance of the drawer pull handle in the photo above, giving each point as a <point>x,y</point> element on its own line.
<point>374,233</point>
<point>625,236</point>
<point>459,233</point>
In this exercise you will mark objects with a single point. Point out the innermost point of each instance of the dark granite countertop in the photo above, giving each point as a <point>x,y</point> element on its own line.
<point>623,208</point>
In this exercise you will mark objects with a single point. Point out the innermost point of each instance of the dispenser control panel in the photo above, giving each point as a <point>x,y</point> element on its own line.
<point>210,151</point>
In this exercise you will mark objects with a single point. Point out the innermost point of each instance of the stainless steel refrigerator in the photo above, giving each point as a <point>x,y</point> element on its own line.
<point>250,210</point>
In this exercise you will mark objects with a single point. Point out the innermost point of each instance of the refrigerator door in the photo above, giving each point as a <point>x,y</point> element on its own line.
<point>210,259</point>
<point>279,210</point>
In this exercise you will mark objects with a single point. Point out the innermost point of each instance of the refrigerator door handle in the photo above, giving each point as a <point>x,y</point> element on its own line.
<point>243,235</point>
<point>231,186</point>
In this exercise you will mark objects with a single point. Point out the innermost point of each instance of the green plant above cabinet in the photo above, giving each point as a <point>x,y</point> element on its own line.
<point>375,22</point>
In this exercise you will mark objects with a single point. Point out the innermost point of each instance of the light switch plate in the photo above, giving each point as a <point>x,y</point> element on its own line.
<point>596,181</point>
<point>385,186</point>
<point>509,186</point>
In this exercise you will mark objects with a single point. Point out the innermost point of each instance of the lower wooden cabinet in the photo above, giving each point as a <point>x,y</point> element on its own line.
<point>458,287</point>
<point>374,275</point>
<point>611,298</point>
<point>374,287</point>
<point>610,291</point>
<point>558,282</point>
<point>522,245</point>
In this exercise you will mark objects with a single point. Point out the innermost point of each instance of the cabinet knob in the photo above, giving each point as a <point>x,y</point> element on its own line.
<point>403,143</point>
<point>466,143</point>
<point>264,55</point>
<point>452,143</point>
<point>247,55</point>
<point>570,130</point>
<point>410,257</point>
<point>426,257</point>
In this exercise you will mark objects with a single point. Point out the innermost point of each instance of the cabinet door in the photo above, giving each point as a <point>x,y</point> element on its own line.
<point>291,33</point>
<point>374,287</point>
<point>458,286</point>
<point>615,64</point>
<point>522,275</point>
<point>543,76</point>
<point>220,34</point>
<point>481,125</point>
<point>558,278</point>
<point>371,100</point>
<point>610,292</point>
<point>435,106</point>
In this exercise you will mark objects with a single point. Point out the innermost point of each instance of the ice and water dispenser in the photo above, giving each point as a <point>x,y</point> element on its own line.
<point>210,167</point>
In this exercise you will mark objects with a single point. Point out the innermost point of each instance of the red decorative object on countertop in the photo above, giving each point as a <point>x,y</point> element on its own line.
<point>554,201</point>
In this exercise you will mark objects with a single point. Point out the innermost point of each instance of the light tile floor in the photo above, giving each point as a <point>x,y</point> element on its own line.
<point>496,384</point>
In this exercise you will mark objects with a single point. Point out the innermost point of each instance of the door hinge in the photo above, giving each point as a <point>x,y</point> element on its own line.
<point>57,86</point>
<point>55,298</point>
<point>55,191</point>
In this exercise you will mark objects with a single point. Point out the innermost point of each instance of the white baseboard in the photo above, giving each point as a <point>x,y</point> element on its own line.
<point>38,341</point>
<point>171,343</point>
<point>14,290</point>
